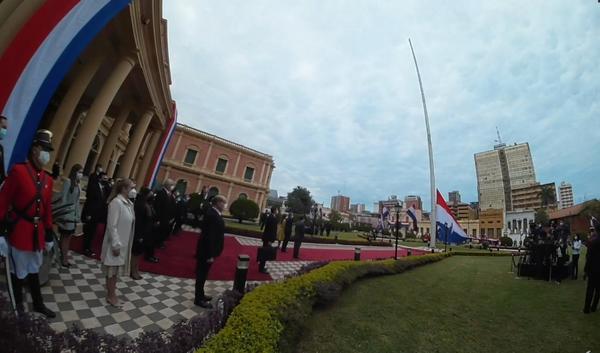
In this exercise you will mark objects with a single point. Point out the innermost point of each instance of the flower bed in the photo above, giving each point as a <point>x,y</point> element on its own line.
<point>269,318</point>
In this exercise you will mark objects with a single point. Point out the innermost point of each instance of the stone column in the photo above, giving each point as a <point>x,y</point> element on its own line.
<point>59,124</point>
<point>113,137</point>
<point>208,153</point>
<point>112,164</point>
<point>229,191</point>
<point>91,124</point>
<point>16,19</point>
<point>237,162</point>
<point>134,144</point>
<point>144,167</point>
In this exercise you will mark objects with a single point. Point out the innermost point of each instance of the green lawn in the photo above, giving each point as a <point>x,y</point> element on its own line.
<point>461,304</point>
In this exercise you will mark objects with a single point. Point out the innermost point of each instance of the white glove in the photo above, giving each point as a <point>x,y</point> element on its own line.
<point>49,245</point>
<point>3,247</point>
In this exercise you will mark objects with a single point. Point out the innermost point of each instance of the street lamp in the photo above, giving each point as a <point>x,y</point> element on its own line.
<point>397,209</point>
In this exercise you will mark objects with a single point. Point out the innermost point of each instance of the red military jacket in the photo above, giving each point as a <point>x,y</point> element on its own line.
<point>18,191</point>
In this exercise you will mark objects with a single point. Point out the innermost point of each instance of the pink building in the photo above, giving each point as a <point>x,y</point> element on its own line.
<point>222,166</point>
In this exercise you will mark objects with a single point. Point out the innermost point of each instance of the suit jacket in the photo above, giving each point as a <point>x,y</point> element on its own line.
<point>299,231</point>
<point>164,205</point>
<point>270,232</point>
<point>592,259</point>
<point>95,205</point>
<point>212,239</point>
<point>289,224</point>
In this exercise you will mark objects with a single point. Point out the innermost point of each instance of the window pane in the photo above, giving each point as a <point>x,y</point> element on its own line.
<point>249,174</point>
<point>213,192</point>
<point>221,165</point>
<point>190,157</point>
<point>243,196</point>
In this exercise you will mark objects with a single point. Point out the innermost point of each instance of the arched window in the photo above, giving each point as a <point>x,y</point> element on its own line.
<point>243,196</point>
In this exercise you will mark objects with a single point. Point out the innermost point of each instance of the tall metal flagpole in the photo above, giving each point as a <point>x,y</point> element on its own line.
<point>431,171</point>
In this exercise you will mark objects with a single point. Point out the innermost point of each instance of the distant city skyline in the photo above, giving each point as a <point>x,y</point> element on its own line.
<point>330,91</point>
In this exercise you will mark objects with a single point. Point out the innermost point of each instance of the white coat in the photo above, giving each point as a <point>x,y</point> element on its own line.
<point>119,231</point>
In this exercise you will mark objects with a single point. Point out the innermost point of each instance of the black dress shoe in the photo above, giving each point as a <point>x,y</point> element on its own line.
<point>45,311</point>
<point>206,298</point>
<point>89,253</point>
<point>152,259</point>
<point>264,271</point>
<point>203,304</point>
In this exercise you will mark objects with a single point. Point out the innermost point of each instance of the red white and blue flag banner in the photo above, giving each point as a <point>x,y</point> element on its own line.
<point>39,57</point>
<point>448,228</point>
<point>162,148</point>
<point>412,213</point>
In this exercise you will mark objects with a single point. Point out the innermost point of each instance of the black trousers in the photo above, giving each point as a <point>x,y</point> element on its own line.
<point>33,280</point>
<point>89,231</point>
<point>297,245</point>
<point>164,230</point>
<point>575,262</point>
<point>262,264</point>
<point>150,244</point>
<point>202,268</point>
<point>592,294</point>
<point>286,240</point>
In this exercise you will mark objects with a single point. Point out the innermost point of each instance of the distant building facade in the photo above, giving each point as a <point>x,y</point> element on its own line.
<point>223,167</point>
<point>413,201</point>
<point>491,223</point>
<point>517,224</point>
<point>499,171</point>
<point>357,208</point>
<point>566,195</point>
<point>454,197</point>
<point>531,197</point>
<point>340,203</point>
<point>575,216</point>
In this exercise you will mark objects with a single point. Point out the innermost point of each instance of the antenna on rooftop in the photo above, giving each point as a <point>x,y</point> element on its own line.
<point>499,143</point>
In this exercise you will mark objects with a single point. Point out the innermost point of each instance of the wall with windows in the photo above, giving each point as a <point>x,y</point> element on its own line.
<point>208,161</point>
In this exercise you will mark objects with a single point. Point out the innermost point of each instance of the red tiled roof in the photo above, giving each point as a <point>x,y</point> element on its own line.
<point>569,211</point>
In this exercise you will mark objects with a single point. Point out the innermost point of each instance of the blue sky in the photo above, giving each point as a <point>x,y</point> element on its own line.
<point>330,90</point>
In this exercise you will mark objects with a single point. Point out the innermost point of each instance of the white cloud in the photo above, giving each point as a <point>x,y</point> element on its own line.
<point>329,88</point>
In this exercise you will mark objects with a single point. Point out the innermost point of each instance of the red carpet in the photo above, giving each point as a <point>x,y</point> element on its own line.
<point>178,260</point>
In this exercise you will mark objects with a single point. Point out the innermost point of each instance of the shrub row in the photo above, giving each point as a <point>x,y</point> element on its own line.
<point>307,239</point>
<point>270,318</point>
<point>480,253</point>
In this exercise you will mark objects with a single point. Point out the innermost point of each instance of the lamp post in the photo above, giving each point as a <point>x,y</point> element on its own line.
<point>397,207</point>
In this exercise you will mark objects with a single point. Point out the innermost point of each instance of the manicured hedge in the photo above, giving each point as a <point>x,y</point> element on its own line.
<point>307,239</point>
<point>483,253</point>
<point>269,318</point>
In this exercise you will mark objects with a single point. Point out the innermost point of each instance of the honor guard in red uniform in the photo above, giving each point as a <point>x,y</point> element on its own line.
<point>25,203</point>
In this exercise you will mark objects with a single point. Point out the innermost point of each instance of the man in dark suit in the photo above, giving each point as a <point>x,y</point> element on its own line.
<point>269,236</point>
<point>3,126</point>
<point>210,246</point>
<point>94,208</point>
<point>592,269</point>
<point>287,231</point>
<point>298,237</point>
<point>164,204</point>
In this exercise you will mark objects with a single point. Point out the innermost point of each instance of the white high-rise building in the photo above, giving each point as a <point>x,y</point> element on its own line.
<point>499,171</point>
<point>566,195</point>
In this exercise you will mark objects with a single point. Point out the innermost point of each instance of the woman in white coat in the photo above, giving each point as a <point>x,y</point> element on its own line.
<point>118,238</point>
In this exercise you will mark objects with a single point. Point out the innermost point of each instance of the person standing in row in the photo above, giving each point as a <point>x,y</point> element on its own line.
<point>70,213</point>
<point>269,236</point>
<point>26,198</point>
<point>118,238</point>
<point>94,208</point>
<point>298,237</point>
<point>287,232</point>
<point>145,226</point>
<point>164,204</point>
<point>209,247</point>
<point>3,126</point>
<point>575,251</point>
<point>281,231</point>
<point>592,269</point>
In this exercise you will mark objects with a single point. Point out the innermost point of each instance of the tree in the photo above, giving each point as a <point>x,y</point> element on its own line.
<point>244,209</point>
<point>541,216</point>
<point>335,217</point>
<point>547,195</point>
<point>299,201</point>
<point>592,208</point>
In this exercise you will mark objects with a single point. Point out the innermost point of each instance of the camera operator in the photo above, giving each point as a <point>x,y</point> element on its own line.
<point>592,269</point>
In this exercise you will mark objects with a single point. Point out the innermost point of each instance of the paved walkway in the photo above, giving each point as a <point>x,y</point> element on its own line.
<point>153,303</point>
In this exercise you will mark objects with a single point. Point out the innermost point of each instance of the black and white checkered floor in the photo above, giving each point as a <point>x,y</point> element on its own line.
<point>154,303</point>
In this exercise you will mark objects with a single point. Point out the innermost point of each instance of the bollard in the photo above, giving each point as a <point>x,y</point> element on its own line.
<point>356,254</point>
<point>409,252</point>
<point>241,272</point>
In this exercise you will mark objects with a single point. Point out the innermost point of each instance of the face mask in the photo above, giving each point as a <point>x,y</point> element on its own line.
<point>44,157</point>
<point>171,188</point>
<point>132,193</point>
<point>99,170</point>
<point>79,175</point>
<point>2,133</point>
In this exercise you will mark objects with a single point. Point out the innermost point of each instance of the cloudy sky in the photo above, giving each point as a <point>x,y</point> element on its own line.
<point>329,89</point>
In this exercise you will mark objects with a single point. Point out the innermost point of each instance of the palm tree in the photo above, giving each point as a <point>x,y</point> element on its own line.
<point>547,195</point>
